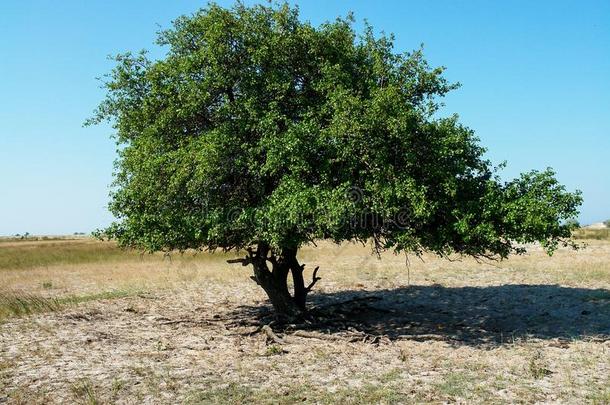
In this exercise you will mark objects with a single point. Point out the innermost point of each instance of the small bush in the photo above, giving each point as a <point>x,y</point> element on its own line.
<point>274,350</point>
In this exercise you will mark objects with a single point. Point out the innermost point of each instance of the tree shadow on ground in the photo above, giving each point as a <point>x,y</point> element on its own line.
<point>463,315</point>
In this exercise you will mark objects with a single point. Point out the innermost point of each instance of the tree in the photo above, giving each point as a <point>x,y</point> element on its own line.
<point>259,132</point>
<point>607,223</point>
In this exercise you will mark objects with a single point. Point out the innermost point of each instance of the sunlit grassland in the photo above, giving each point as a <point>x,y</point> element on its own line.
<point>592,234</point>
<point>41,276</point>
<point>84,321</point>
<point>18,304</point>
<point>35,254</point>
<point>37,276</point>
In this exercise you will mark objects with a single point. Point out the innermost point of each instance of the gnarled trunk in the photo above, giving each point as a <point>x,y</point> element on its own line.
<point>275,280</point>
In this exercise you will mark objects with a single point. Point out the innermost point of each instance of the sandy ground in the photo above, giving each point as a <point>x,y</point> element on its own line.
<point>533,330</point>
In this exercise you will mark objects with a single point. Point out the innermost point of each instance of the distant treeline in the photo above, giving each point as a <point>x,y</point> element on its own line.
<point>27,236</point>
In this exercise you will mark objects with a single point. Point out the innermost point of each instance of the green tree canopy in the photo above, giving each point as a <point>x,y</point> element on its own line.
<point>257,130</point>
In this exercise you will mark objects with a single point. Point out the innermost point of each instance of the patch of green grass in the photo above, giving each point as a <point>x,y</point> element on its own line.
<point>22,304</point>
<point>367,394</point>
<point>454,384</point>
<point>235,393</point>
<point>391,375</point>
<point>274,350</point>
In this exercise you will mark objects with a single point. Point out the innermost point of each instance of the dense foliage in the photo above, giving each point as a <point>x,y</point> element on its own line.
<point>258,128</point>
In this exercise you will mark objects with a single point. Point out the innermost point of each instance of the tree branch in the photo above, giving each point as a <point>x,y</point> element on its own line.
<point>244,262</point>
<point>249,259</point>
<point>314,279</point>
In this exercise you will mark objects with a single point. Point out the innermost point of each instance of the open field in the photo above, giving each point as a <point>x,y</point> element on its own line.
<point>592,233</point>
<point>81,321</point>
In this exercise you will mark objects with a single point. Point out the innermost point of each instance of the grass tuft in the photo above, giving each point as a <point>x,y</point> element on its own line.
<point>84,391</point>
<point>537,367</point>
<point>274,350</point>
<point>22,304</point>
<point>453,385</point>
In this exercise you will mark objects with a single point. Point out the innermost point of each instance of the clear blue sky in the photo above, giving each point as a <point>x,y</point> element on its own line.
<point>535,76</point>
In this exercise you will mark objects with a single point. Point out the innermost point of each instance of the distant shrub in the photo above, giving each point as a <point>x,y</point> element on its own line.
<point>573,223</point>
<point>607,223</point>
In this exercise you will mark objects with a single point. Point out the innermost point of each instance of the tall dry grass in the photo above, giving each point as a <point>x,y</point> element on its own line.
<point>47,275</point>
<point>592,234</point>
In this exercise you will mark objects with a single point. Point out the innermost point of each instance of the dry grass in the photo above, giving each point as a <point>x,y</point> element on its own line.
<point>594,234</point>
<point>85,322</point>
<point>52,268</point>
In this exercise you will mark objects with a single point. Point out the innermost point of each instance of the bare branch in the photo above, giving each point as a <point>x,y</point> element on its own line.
<point>314,279</point>
<point>244,262</point>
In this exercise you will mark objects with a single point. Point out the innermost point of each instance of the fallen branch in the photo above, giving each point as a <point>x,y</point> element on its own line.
<point>316,335</point>
<point>187,321</point>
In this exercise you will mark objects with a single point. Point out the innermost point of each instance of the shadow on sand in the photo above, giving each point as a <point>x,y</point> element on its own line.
<point>462,315</point>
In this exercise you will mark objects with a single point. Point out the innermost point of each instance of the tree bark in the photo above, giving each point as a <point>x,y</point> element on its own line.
<point>300,291</point>
<point>275,280</point>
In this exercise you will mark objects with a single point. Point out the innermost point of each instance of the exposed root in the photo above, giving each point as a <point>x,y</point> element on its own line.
<point>272,336</point>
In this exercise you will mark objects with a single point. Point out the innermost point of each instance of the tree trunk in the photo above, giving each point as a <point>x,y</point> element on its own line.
<point>275,285</point>
<point>275,280</point>
<point>300,291</point>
